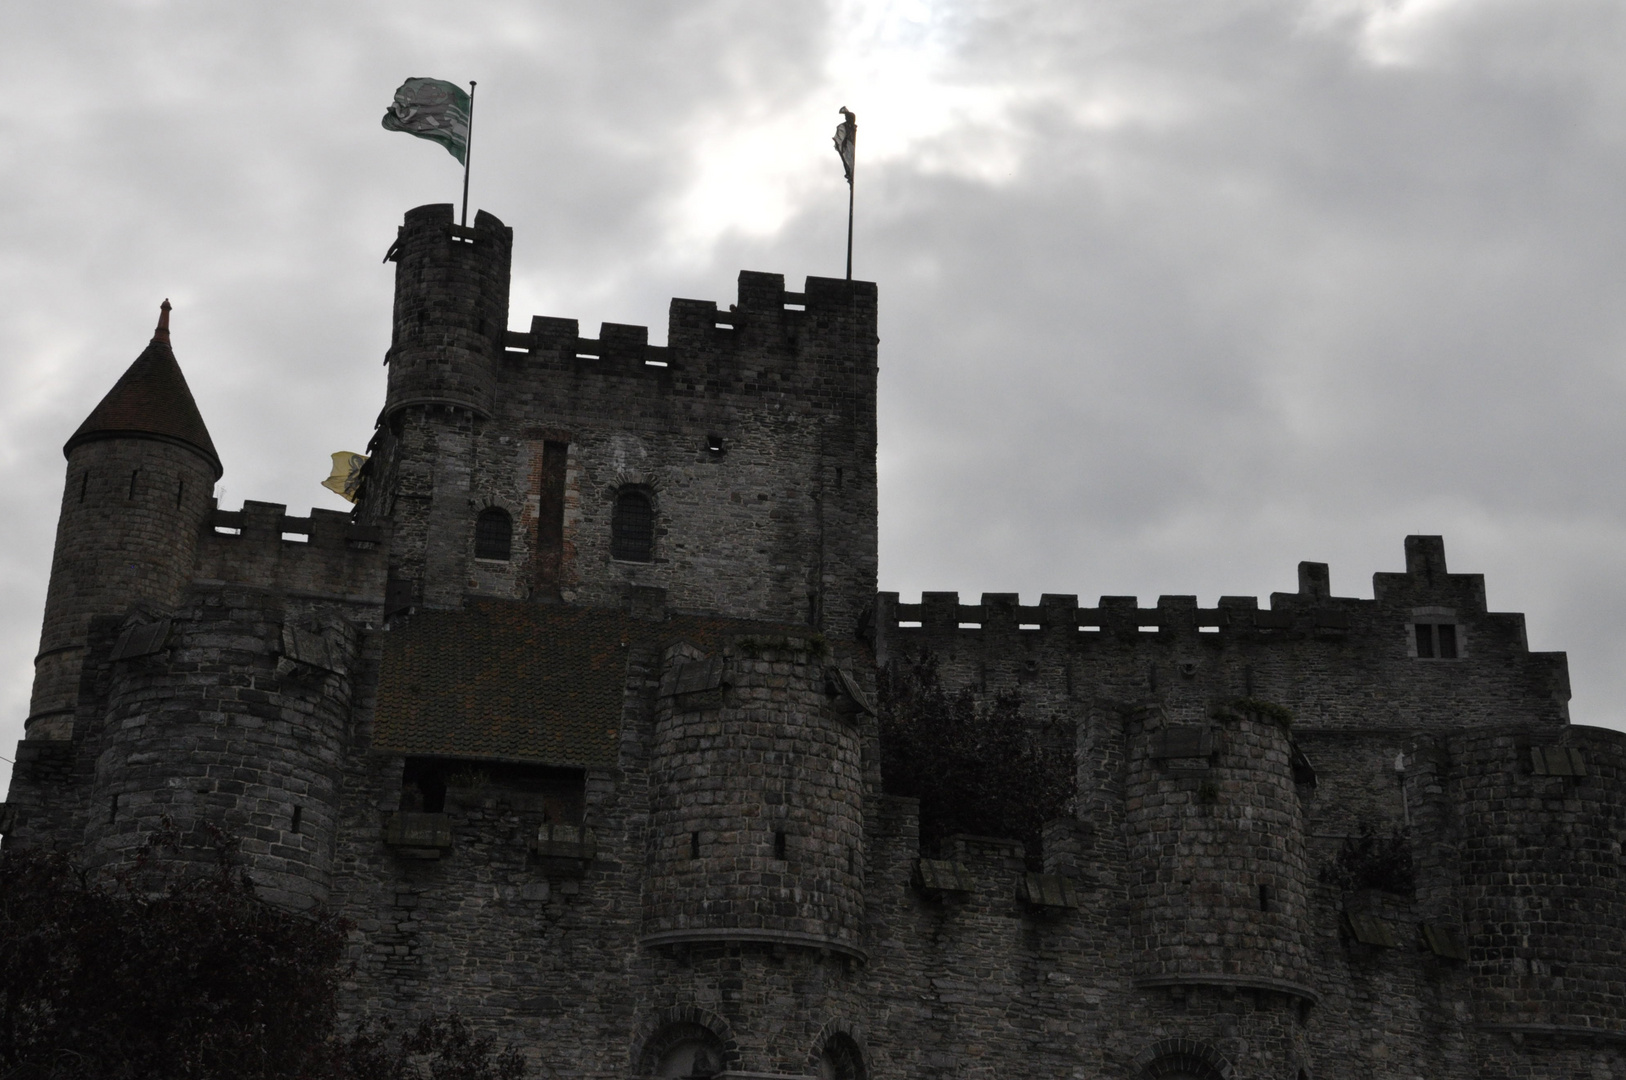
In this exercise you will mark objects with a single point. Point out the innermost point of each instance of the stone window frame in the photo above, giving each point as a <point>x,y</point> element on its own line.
<point>1171,1058</point>
<point>843,1043</point>
<point>483,512</point>
<point>647,492</point>
<point>1431,617</point>
<point>672,1028</point>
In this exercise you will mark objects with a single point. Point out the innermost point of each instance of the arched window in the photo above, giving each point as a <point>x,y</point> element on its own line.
<point>841,1060</point>
<point>632,528</point>
<point>684,1051</point>
<point>494,535</point>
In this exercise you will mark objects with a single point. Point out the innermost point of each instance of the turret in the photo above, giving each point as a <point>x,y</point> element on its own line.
<point>1215,834</point>
<point>451,315</point>
<point>451,310</point>
<point>758,805</point>
<point>140,482</point>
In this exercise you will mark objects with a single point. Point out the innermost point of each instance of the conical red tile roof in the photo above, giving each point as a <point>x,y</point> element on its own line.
<point>150,400</point>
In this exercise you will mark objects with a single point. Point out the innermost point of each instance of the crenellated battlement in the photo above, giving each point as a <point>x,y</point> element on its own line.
<point>632,598</point>
<point>1419,637</point>
<point>323,555</point>
<point>769,331</point>
<point>1311,608</point>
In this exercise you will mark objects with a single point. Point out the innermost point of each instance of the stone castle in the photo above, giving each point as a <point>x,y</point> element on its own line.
<point>573,717</point>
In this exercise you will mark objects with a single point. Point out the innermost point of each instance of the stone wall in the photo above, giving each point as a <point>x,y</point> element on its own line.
<point>752,432</point>
<point>237,720</point>
<point>132,509</point>
<point>756,820</point>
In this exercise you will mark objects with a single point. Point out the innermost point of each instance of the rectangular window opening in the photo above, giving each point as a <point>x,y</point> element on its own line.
<point>963,626</point>
<point>1425,641</point>
<point>558,796</point>
<point>1029,626</point>
<point>112,809</point>
<point>133,476</point>
<point>228,530</point>
<point>180,490</point>
<point>913,624</point>
<point>1148,629</point>
<point>1264,898</point>
<point>84,484</point>
<point>293,824</point>
<point>296,537</point>
<point>550,515</point>
<point>779,845</point>
<point>694,845</point>
<point>1448,641</point>
<point>1207,629</point>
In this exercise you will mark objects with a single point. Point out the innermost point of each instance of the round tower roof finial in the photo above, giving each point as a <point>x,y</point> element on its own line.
<point>162,333</point>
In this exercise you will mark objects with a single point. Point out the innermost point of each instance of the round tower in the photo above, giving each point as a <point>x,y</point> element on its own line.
<point>232,715</point>
<point>140,484</point>
<point>1215,836</point>
<point>451,310</point>
<point>758,814</point>
<point>1544,814</point>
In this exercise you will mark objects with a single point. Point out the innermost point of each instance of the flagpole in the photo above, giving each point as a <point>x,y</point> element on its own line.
<point>850,181</point>
<point>468,155</point>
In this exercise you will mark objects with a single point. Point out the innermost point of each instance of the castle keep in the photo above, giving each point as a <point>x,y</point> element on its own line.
<point>574,719</point>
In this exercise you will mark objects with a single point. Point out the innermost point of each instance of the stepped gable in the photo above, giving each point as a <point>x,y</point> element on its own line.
<point>150,400</point>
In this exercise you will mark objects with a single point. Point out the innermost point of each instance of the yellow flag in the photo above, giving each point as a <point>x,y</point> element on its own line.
<point>346,476</point>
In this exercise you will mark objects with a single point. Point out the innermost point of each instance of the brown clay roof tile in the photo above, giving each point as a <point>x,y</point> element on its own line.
<point>150,400</point>
<point>520,682</point>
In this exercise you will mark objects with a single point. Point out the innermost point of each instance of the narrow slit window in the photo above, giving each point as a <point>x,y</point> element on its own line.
<point>294,822</point>
<point>135,473</point>
<point>632,528</point>
<point>779,845</point>
<point>180,492</point>
<point>494,535</point>
<point>112,809</point>
<point>694,845</point>
<point>84,484</point>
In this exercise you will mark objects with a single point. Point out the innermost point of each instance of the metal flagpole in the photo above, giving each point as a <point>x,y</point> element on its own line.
<point>850,121</point>
<point>468,154</point>
<point>850,216</point>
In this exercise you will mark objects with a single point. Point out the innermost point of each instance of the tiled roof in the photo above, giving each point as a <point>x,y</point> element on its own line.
<point>518,681</point>
<point>151,398</point>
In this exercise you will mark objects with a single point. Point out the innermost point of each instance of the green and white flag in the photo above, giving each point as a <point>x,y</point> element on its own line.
<point>432,109</point>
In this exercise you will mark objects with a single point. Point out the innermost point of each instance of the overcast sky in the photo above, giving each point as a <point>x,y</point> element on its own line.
<point>1173,294</point>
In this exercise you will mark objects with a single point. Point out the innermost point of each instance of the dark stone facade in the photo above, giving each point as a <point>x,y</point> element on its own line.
<point>616,795</point>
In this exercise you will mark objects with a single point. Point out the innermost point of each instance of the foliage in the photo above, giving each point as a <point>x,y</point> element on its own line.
<point>1371,861</point>
<point>441,1047</point>
<point>173,968</point>
<point>976,767</point>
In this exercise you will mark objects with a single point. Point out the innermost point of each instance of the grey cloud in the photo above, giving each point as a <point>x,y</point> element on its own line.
<point>1243,296</point>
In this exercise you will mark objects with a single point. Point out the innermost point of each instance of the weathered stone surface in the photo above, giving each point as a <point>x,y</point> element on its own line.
<point>722,883</point>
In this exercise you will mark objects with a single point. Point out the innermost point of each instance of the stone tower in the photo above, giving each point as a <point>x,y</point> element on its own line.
<point>140,482</point>
<point>451,314</point>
